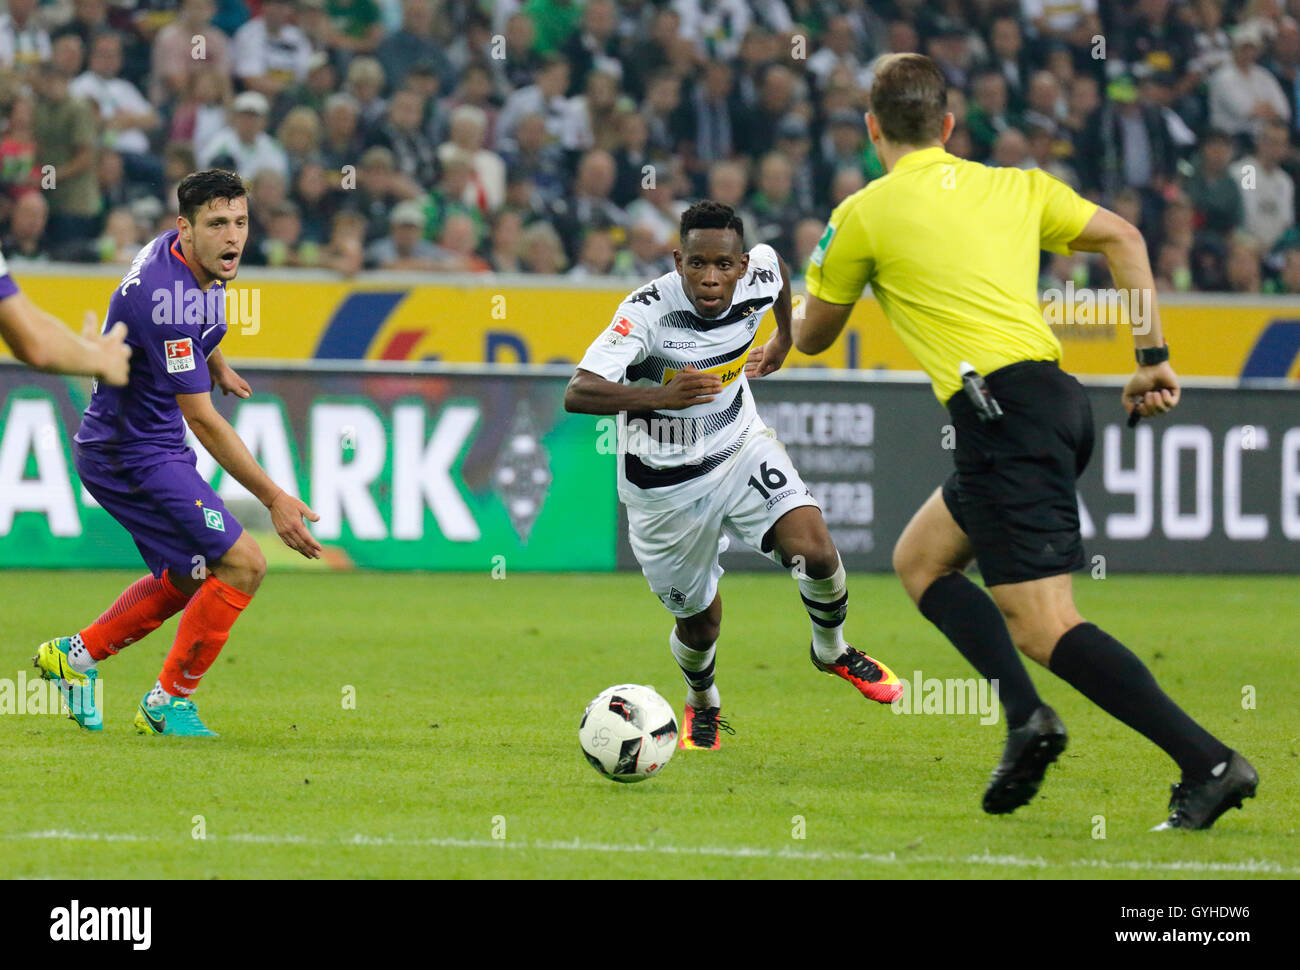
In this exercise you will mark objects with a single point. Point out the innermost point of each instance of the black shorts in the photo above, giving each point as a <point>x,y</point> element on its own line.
<point>1014,491</point>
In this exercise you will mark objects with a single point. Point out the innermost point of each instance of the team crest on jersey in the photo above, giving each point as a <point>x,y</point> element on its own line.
<point>180,355</point>
<point>676,596</point>
<point>213,520</point>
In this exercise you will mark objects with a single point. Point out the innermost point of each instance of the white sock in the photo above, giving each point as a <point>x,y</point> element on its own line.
<point>697,668</point>
<point>157,697</point>
<point>79,658</point>
<point>826,600</point>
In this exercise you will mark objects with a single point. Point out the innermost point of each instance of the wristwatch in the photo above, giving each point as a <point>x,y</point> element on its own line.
<point>1150,356</point>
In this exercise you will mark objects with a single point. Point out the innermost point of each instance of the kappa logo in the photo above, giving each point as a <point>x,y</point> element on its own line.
<point>213,520</point>
<point>679,344</point>
<point>180,355</point>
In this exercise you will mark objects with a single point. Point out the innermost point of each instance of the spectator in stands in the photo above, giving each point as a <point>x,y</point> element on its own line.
<point>545,96</point>
<point>649,258</point>
<point>1074,23</point>
<point>665,120</point>
<point>402,131</point>
<point>838,45</point>
<point>345,252</point>
<point>543,252</point>
<point>539,159</point>
<point>595,257</point>
<point>468,133</point>
<point>715,116</point>
<point>475,88</point>
<point>649,54</point>
<point>844,183</point>
<point>658,206</point>
<point>1045,103</point>
<point>1267,191</point>
<point>775,210</point>
<point>313,91</point>
<point>20,172</point>
<point>342,143</point>
<point>589,206</point>
<point>1243,96</point>
<point>67,139</point>
<point>595,45</point>
<point>119,241</point>
<point>245,142</point>
<point>591,115</point>
<point>300,135</point>
<point>1044,155</point>
<point>365,82</point>
<point>355,26</point>
<point>266,192</point>
<point>808,180</point>
<point>270,53</point>
<point>729,184</point>
<point>1285,66</point>
<point>318,201</point>
<point>1173,269</point>
<point>1213,190</point>
<point>555,21</point>
<point>380,187</point>
<point>632,161</point>
<point>1126,144</point>
<point>1155,38</point>
<point>459,240</point>
<point>807,233</point>
<point>27,224</point>
<point>518,69</point>
<point>68,54</point>
<point>1007,57</point>
<point>24,42</point>
<point>176,51</point>
<point>990,114</point>
<point>1011,150</point>
<point>1243,269</point>
<point>1289,279</point>
<point>507,234</point>
<point>127,118</point>
<point>1213,49</point>
<point>404,247</point>
<point>778,97</point>
<point>415,44</point>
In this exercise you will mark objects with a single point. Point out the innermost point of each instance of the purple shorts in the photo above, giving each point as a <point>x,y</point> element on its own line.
<point>172,514</point>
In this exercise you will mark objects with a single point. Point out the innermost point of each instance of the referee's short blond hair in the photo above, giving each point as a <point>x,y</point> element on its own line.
<point>909,97</point>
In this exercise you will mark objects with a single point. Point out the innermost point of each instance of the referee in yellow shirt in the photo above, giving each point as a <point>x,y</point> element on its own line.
<point>951,251</point>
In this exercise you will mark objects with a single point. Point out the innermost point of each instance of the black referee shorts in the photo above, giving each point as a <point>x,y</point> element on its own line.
<point>1013,492</point>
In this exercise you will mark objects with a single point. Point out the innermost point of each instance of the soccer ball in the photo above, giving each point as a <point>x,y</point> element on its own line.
<point>628,732</point>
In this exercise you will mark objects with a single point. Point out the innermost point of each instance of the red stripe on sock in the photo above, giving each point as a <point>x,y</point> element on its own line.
<point>142,608</point>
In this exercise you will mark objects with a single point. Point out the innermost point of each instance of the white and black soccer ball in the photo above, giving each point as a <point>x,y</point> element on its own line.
<point>628,732</point>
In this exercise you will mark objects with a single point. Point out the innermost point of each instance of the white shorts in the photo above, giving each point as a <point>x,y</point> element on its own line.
<point>678,549</point>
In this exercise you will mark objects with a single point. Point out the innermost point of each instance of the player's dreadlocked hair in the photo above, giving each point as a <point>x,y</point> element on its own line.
<point>712,215</point>
<point>199,188</point>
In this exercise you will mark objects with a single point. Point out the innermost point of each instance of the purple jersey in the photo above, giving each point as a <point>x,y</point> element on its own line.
<point>8,287</point>
<point>172,329</point>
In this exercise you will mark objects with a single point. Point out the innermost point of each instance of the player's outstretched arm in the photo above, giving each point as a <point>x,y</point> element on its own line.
<point>820,325</point>
<point>1152,390</point>
<point>590,393</point>
<point>44,342</point>
<point>218,437</point>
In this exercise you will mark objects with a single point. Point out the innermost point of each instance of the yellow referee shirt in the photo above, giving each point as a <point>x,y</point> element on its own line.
<point>951,250</point>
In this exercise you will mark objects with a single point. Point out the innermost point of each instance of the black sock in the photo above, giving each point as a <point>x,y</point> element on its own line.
<point>968,617</point>
<point>1111,676</point>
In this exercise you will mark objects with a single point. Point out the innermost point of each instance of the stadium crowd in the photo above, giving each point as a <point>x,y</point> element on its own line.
<point>566,136</point>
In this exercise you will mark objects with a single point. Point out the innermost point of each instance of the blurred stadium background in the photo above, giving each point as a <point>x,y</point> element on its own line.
<point>442,192</point>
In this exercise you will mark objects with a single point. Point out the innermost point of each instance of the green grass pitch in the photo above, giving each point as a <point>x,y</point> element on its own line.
<point>460,758</point>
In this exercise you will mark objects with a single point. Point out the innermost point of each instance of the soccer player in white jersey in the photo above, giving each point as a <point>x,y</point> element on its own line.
<point>696,462</point>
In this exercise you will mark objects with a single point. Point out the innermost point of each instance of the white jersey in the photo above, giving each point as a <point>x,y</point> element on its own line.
<point>669,458</point>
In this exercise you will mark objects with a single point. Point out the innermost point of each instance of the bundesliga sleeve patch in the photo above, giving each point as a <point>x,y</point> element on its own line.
<point>180,355</point>
<point>823,244</point>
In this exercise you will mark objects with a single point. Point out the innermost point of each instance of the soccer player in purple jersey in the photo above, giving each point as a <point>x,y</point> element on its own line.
<point>43,342</point>
<point>132,457</point>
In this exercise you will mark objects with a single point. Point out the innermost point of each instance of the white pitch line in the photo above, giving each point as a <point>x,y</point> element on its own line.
<point>1249,866</point>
